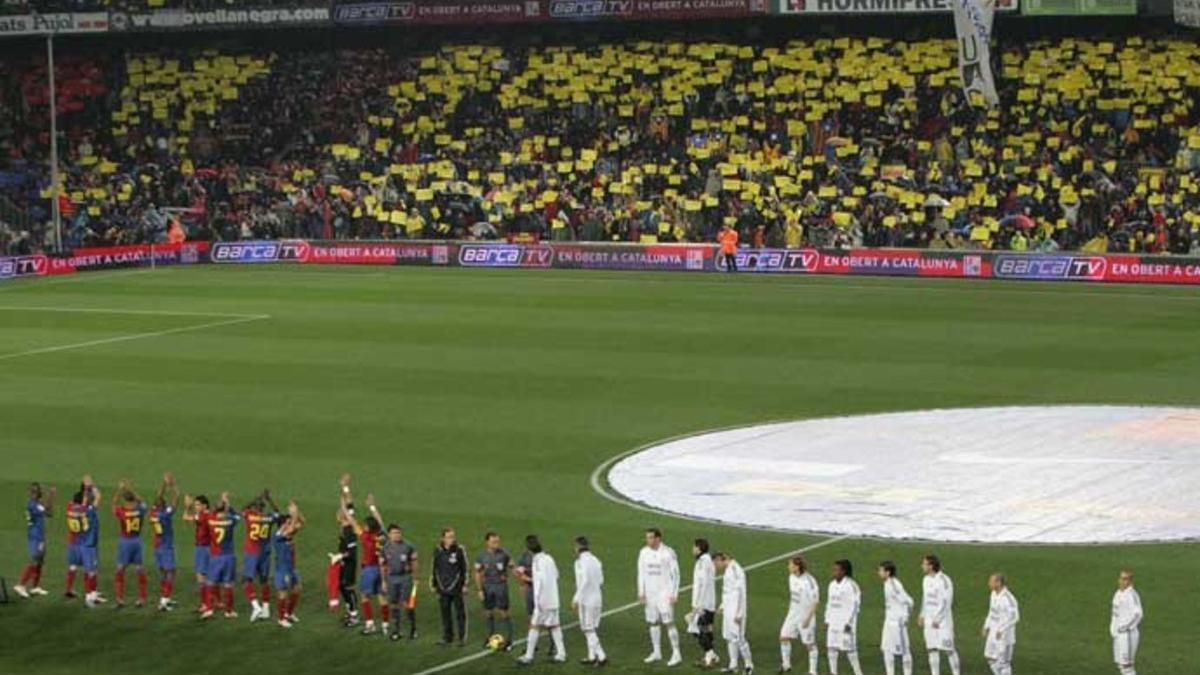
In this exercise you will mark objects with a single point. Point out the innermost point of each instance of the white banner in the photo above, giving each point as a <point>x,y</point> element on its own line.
<point>1187,13</point>
<point>42,24</point>
<point>973,25</point>
<point>879,6</point>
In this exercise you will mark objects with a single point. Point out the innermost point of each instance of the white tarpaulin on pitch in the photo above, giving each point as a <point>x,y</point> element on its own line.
<point>1187,13</point>
<point>1056,474</point>
<point>973,26</point>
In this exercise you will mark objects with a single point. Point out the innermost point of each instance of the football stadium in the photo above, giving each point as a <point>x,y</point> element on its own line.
<point>466,336</point>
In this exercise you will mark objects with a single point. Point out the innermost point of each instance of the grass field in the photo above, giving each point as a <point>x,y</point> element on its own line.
<point>485,399</point>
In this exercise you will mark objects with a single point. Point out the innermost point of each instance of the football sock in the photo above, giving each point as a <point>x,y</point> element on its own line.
<point>560,649</point>
<point>785,654</point>
<point>656,639</point>
<point>531,644</point>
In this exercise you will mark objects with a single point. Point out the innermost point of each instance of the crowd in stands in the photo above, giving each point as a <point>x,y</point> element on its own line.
<point>817,141</point>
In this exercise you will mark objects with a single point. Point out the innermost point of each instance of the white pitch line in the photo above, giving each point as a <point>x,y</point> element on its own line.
<point>134,312</point>
<point>135,336</point>
<point>625,608</point>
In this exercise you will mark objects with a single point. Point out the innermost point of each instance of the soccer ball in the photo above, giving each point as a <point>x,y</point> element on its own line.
<point>497,643</point>
<point>711,660</point>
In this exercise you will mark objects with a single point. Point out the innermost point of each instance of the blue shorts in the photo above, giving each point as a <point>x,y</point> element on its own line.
<point>256,566</point>
<point>371,582</point>
<point>200,560</point>
<point>74,555</point>
<point>164,558</point>
<point>286,578</point>
<point>37,550</point>
<point>222,569</point>
<point>90,558</point>
<point>129,552</point>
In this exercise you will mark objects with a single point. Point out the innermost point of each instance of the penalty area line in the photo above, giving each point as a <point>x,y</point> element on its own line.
<point>633,605</point>
<point>135,336</point>
<point>131,312</point>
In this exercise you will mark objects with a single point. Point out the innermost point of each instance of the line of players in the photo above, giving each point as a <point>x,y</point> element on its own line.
<point>270,534</point>
<point>389,565</point>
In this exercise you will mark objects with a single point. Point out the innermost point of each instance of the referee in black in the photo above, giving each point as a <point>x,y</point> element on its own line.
<point>449,582</point>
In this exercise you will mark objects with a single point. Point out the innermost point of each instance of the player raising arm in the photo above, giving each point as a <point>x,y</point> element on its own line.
<point>90,542</point>
<point>260,516</point>
<point>39,507</point>
<point>370,542</point>
<point>198,511</point>
<point>130,512</point>
<point>222,561</point>
<point>162,519</point>
<point>287,579</point>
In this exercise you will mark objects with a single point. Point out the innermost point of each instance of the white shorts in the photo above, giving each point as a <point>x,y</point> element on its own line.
<point>545,617</point>
<point>998,650</point>
<point>842,640</point>
<point>792,628</point>
<point>1125,646</point>
<point>732,631</point>
<point>589,617</point>
<point>660,610</point>
<point>894,641</point>
<point>941,638</point>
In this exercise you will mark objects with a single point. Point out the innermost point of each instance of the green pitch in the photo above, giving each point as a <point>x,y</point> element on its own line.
<point>485,399</point>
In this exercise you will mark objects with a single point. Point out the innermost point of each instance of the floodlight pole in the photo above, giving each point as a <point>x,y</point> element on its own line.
<point>54,186</point>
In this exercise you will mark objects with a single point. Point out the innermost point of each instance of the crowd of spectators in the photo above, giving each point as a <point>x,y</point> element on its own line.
<point>825,141</point>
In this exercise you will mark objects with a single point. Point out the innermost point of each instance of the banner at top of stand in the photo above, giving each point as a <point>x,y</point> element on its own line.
<point>511,11</point>
<point>55,23</point>
<point>281,16</point>
<point>879,6</point>
<point>1079,7</point>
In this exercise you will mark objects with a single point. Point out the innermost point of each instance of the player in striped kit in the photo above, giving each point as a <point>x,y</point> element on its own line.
<point>162,520</point>
<point>286,578</point>
<point>39,507</point>
<point>130,513</point>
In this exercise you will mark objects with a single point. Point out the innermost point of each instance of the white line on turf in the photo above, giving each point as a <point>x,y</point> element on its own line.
<point>625,608</point>
<point>135,336</point>
<point>135,312</point>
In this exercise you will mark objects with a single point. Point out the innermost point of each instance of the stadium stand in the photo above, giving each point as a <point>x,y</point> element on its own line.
<point>842,141</point>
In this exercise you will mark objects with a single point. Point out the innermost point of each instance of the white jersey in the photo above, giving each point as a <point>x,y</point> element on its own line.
<point>1126,612</point>
<point>704,584</point>
<point>589,580</point>
<point>733,592</point>
<point>897,603</point>
<point>1002,618</point>
<point>545,582</point>
<point>843,602</point>
<point>803,594</point>
<point>937,600</point>
<point>658,573</point>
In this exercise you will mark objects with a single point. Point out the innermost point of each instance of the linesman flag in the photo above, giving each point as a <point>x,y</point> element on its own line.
<point>973,25</point>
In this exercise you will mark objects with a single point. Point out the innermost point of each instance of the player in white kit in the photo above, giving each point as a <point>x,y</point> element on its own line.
<point>545,604</point>
<point>658,590</point>
<point>843,601</point>
<point>1000,628</point>
<point>804,596</point>
<point>588,602</point>
<point>733,612</point>
<point>897,605</point>
<point>937,616</point>
<point>704,603</point>
<point>1126,622</point>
